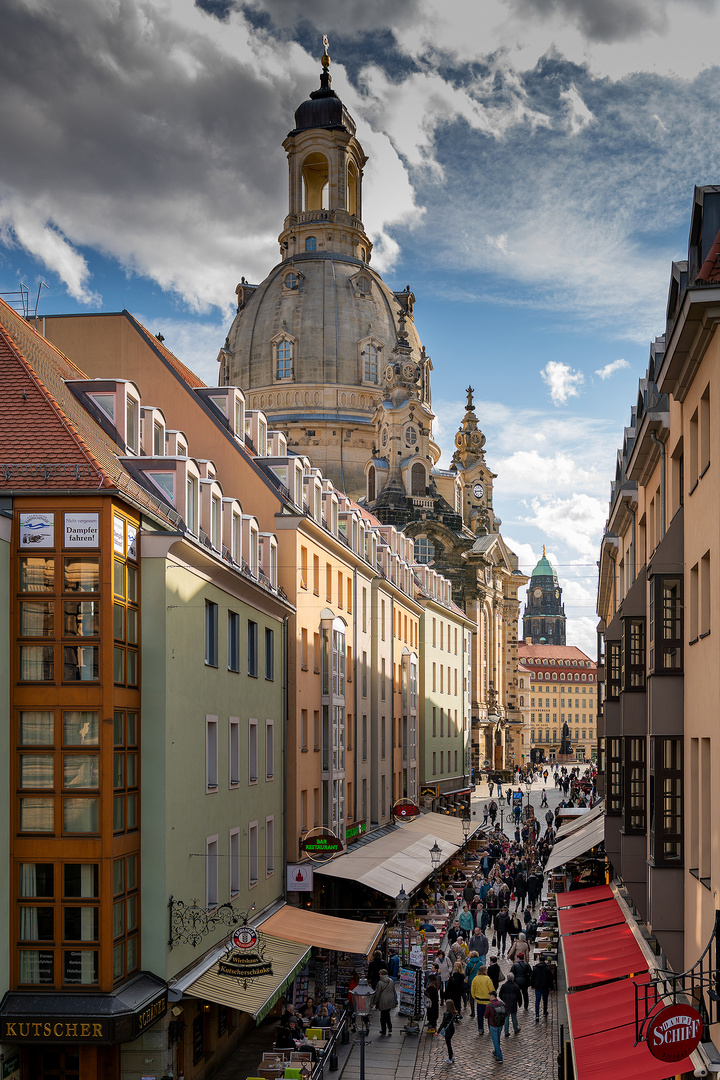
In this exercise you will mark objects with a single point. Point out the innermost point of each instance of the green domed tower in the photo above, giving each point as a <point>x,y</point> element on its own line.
<point>544,615</point>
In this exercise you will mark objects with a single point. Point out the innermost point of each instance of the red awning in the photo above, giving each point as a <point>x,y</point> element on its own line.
<point>584,896</point>
<point>596,1010</point>
<point>610,953</point>
<point>598,1057</point>
<point>590,916</point>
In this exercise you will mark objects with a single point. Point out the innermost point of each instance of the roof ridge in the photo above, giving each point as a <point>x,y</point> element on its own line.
<point>52,402</point>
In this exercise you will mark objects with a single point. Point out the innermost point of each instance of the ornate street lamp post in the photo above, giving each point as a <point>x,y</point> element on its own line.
<point>363,993</point>
<point>402,906</point>
<point>466,826</point>
<point>436,859</point>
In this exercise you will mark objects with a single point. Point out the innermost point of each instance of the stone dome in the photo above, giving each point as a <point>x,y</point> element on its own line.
<point>323,109</point>
<point>329,306</point>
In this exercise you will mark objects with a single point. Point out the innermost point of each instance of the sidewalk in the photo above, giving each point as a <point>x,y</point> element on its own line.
<point>391,1058</point>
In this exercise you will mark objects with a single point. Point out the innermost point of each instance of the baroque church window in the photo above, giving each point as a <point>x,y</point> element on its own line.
<point>371,484</point>
<point>290,281</point>
<point>371,363</point>
<point>417,477</point>
<point>311,243</point>
<point>410,436</point>
<point>424,550</point>
<point>283,359</point>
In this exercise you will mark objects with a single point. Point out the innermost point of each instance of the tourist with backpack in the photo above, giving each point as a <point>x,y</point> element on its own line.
<point>522,971</point>
<point>495,1014</point>
<point>511,996</point>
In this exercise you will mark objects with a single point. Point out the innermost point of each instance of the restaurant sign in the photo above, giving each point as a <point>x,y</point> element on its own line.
<point>674,1033</point>
<point>321,845</point>
<point>245,958</point>
<point>405,810</point>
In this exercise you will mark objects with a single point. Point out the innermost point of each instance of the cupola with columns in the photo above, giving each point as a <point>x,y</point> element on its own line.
<point>477,479</point>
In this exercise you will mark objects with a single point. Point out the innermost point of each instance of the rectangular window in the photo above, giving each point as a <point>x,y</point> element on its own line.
<point>383,679</point>
<point>233,641</point>
<point>253,853</point>
<point>269,654</point>
<point>269,749</point>
<point>234,861</point>
<point>304,729</point>
<point>211,753</point>
<point>304,649</point>
<point>233,752</point>
<point>434,763</point>
<point>364,674</point>
<point>364,610</point>
<point>303,567</point>
<point>633,654</point>
<point>382,620</point>
<point>37,663</point>
<point>364,737</point>
<point>252,751</point>
<point>614,776</point>
<point>211,634</point>
<point>614,670</point>
<point>37,574</point>
<point>666,801</point>
<point>340,589</point>
<point>252,648</point>
<point>634,809</point>
<point>666,624</point>
<point>212,882</point>
<point>269,846</point>
<point>705,594</point>
<point>328,582</point>
<point>316,735</point>
<point>316,575</point>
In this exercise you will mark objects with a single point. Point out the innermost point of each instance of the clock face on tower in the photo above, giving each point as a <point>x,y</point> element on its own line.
<point>537,593</point>
<point>388,373</point>
<point>557,594</point>
<point>459,440</point>
<point>478,491</point>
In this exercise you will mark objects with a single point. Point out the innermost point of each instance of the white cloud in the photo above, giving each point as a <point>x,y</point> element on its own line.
<point>563,382</point>
<point>22,225</point>
<point>611,368</point>
<point>579,116</point>
<point>577,521</point>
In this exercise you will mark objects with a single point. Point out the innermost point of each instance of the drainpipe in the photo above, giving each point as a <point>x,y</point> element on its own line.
<point>285,709</point>
<point>657,441</point>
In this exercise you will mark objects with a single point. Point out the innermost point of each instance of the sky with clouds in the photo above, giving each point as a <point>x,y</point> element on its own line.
<point>531,170</point>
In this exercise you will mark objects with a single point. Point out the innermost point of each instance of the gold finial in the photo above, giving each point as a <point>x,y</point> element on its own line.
<point>325,58</point>
<point>543,554</point>
<point>469,399</point>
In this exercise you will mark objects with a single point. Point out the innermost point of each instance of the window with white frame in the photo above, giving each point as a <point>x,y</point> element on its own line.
<point>252,751</point>
<point>283,359</point>
<point>212,877</point>
<point>215,522</point>
<point>234,752</point>
<point>234,861</point>
<point>211,634</point>
<point>211,753</point>
<point>269,846</point>
<point>253,853</point>
<point>191,505</point>
<point>371,362</point>
<point>269,749</point>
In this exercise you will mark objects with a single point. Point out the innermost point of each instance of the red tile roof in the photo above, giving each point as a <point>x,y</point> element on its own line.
<point>543,653</point>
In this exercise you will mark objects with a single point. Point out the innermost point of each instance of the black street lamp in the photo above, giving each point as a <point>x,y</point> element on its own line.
<point>402,906</point>
<point>528,789</point>
<point>466,826</point>
<point>436,859</point>
<point>363,994</point>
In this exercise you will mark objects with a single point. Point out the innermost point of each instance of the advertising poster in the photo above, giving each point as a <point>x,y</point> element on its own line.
<point>299,878</point>
<point>131,542</point>
<point>37,530</point>
<point>119,535</point>
<point>82,530</point>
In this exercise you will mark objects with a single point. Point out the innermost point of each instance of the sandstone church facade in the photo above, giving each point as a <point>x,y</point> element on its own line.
<point>331,354</point>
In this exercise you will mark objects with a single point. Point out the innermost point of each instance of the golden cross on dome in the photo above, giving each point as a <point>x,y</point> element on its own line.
<point>325,58</point>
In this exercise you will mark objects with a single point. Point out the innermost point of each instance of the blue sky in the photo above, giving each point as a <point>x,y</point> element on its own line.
<point>531,170</point>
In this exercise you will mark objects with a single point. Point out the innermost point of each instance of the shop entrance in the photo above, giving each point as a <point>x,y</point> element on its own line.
<point>55,1064</point>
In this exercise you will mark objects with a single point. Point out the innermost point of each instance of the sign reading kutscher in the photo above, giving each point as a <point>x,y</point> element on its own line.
<point>82,530</point>
<point>674,1033</point>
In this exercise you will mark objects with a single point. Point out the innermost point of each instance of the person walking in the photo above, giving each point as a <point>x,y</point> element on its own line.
<point>384,1000</point>
<point>447,1028</point>
<point>495,1014</point>
<point>521,972</point>
<point>510,996</point>
<point>514,927</point>
<point>374,969</point>
<point>543,801</point>
<point>466,919</point>
<point>472,967</point>
<point>480,944</point>
<point>445,968</point>
<point>490,787</point>
<point>502,924</point>
<point>518,947</point>
<point>494,972</point>
<point>541,981</point>
<point>486,811</point>
<point>432,1003</point>
<point>455,988</point>
<point>480,989</point>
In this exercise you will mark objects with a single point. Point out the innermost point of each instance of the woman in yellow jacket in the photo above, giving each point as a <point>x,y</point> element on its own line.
<point>480,989</point>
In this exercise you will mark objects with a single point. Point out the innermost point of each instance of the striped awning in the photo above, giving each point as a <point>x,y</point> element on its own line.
<point>287,957</point>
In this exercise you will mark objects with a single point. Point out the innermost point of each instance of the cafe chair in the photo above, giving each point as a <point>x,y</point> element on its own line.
<point>313,1033</point>
<point>292,1074</point>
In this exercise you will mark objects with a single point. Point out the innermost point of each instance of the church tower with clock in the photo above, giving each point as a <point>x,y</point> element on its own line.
<point>544,615</point>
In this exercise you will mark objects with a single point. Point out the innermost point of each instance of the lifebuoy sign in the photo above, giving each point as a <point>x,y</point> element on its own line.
<point>674,1033</point>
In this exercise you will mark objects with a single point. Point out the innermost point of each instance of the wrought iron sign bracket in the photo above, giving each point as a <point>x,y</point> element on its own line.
<point>190,923</point>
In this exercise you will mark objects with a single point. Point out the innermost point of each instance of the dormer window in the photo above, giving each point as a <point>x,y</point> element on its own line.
<point>291,281</point>
<point>106,402</point>
<point>165,481</point>
<point>371,363</point>
<point>311,243</point>
<point>191,498</point>
<point>131,424</point>
<point>158,439</point>
<point>283,359</point>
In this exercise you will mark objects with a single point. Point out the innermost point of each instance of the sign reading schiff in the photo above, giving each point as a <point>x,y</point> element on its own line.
<point>674,1033</point>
